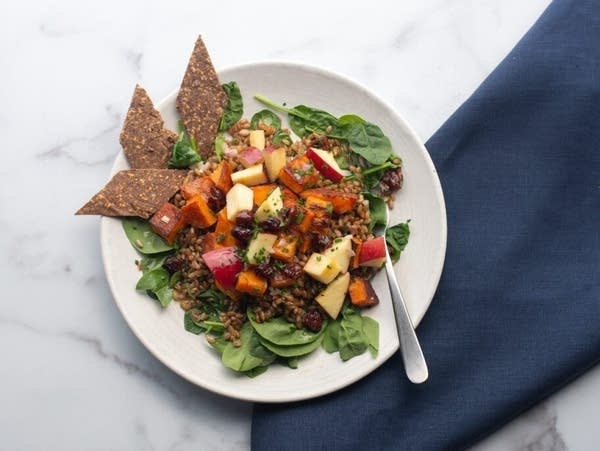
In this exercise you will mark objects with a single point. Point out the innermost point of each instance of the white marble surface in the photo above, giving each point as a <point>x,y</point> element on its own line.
<point>73,375</point>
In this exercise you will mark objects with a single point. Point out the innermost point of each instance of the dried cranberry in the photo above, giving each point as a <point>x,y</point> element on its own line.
<point>264,269</point>
<point>313,320</point>
<point>216,199</point>
<point>391,180</point>
<point>172,264</point>
<point>292,271</point>
<point>242,233</point>
<point>244,218</point>
<point>321,242</point>
<point>270,224</point>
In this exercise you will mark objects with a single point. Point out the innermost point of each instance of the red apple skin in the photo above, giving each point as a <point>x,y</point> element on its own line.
<point>224,264</point>
<point>250,156</point>
<point>323,167</point>
<point>372,252</point>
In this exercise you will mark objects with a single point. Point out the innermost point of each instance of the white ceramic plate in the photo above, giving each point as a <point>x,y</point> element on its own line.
<point>419,268</point>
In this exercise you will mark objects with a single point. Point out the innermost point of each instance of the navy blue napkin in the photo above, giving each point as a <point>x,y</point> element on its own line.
<point>517,312</point>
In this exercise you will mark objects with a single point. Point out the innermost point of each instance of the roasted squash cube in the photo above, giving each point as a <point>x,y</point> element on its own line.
<point>285,247</point>
<point>250,283</point>
<point>167,222</point>
<point>221,176</point>
<point>341,202</point>
<point>362,294</point>
<point>299,174</point>
<point>197,213</point>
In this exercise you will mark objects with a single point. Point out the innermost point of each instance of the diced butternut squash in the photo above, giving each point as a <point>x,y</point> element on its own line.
<point>285,247</point>
<point>221,176</point>
<point>223,230</point>
<point>250,283</point>
<point>167,222</point>
<point>362,294</point>
<point>199,186</point>
<point>306,218</point>
<point>261,192</point>
<point>197,213</point>
<point>321,210</point>
<point>299,174</point>
<point>341,202</point>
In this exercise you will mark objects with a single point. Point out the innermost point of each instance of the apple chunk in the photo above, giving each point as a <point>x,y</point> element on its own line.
<point>372,252</point>
<point>250,156</point>
<point>260,248</point>
<point>325,164</point>
<point>341,252</point>
<point>257,139</point>
<point>270,207</point>
<point>254,175</point>
<point>274,161</point>
<point>225,265</point>
<point>332,297</point>
<point>321,267</point>
<point>239,198</point>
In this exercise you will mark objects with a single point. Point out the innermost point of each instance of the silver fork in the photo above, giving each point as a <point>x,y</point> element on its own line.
<point>412,355</point>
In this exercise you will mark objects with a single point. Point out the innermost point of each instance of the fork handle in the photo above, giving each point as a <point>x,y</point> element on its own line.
<point>412,355</point>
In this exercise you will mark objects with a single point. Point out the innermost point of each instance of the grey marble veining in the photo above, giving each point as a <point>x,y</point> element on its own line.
<point>74,376</point>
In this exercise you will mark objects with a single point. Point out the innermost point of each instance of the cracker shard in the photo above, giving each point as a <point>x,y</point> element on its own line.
<point>135,192</point>
<point>201,99</point>
<point>145,141</point>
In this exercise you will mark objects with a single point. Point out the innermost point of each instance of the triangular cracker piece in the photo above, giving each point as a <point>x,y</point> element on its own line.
<point>201,99</point>
<point>146,143</point>
<point>135,192</point>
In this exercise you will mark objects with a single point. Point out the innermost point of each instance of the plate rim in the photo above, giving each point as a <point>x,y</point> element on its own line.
<point>104,224</point>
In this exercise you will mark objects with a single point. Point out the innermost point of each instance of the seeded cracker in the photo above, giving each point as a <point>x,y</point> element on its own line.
<point>201,100</point>
<point>145,141</point>
<point>135,192</point>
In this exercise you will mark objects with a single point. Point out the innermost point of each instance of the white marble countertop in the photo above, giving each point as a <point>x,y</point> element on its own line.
<point>73,375</point>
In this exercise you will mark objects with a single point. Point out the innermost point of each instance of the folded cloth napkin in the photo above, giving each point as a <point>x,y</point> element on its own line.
<point>517,312</point>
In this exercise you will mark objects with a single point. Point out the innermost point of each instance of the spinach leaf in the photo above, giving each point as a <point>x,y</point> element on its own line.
<point>291,362</point>
<point>175,277</point>
<point>256,371</point>
<point>156,284</point>
<point>351,338</point>
<point>189,324</point>
<point>150,262</point>
<point>281,138</point>
<point>268,118</point>
<point>305,120</point>
<point>244,358</point>
<point>234,108</point>
<point>368,141</point>
<point>185,152</point>
<point>371,330</point>
<point>193,324</point>
<point>213,303</point>
<point>164,295</point>
<point>153,280</point>
<point>220,145</point>
<point>376,209</point>
<point>278,331</point>
<point>331,337</point>
<point>218,343</point>
<point>142,238</point>
<point>397,238</point>
<point>350,119</point>
<point>294,350</point>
